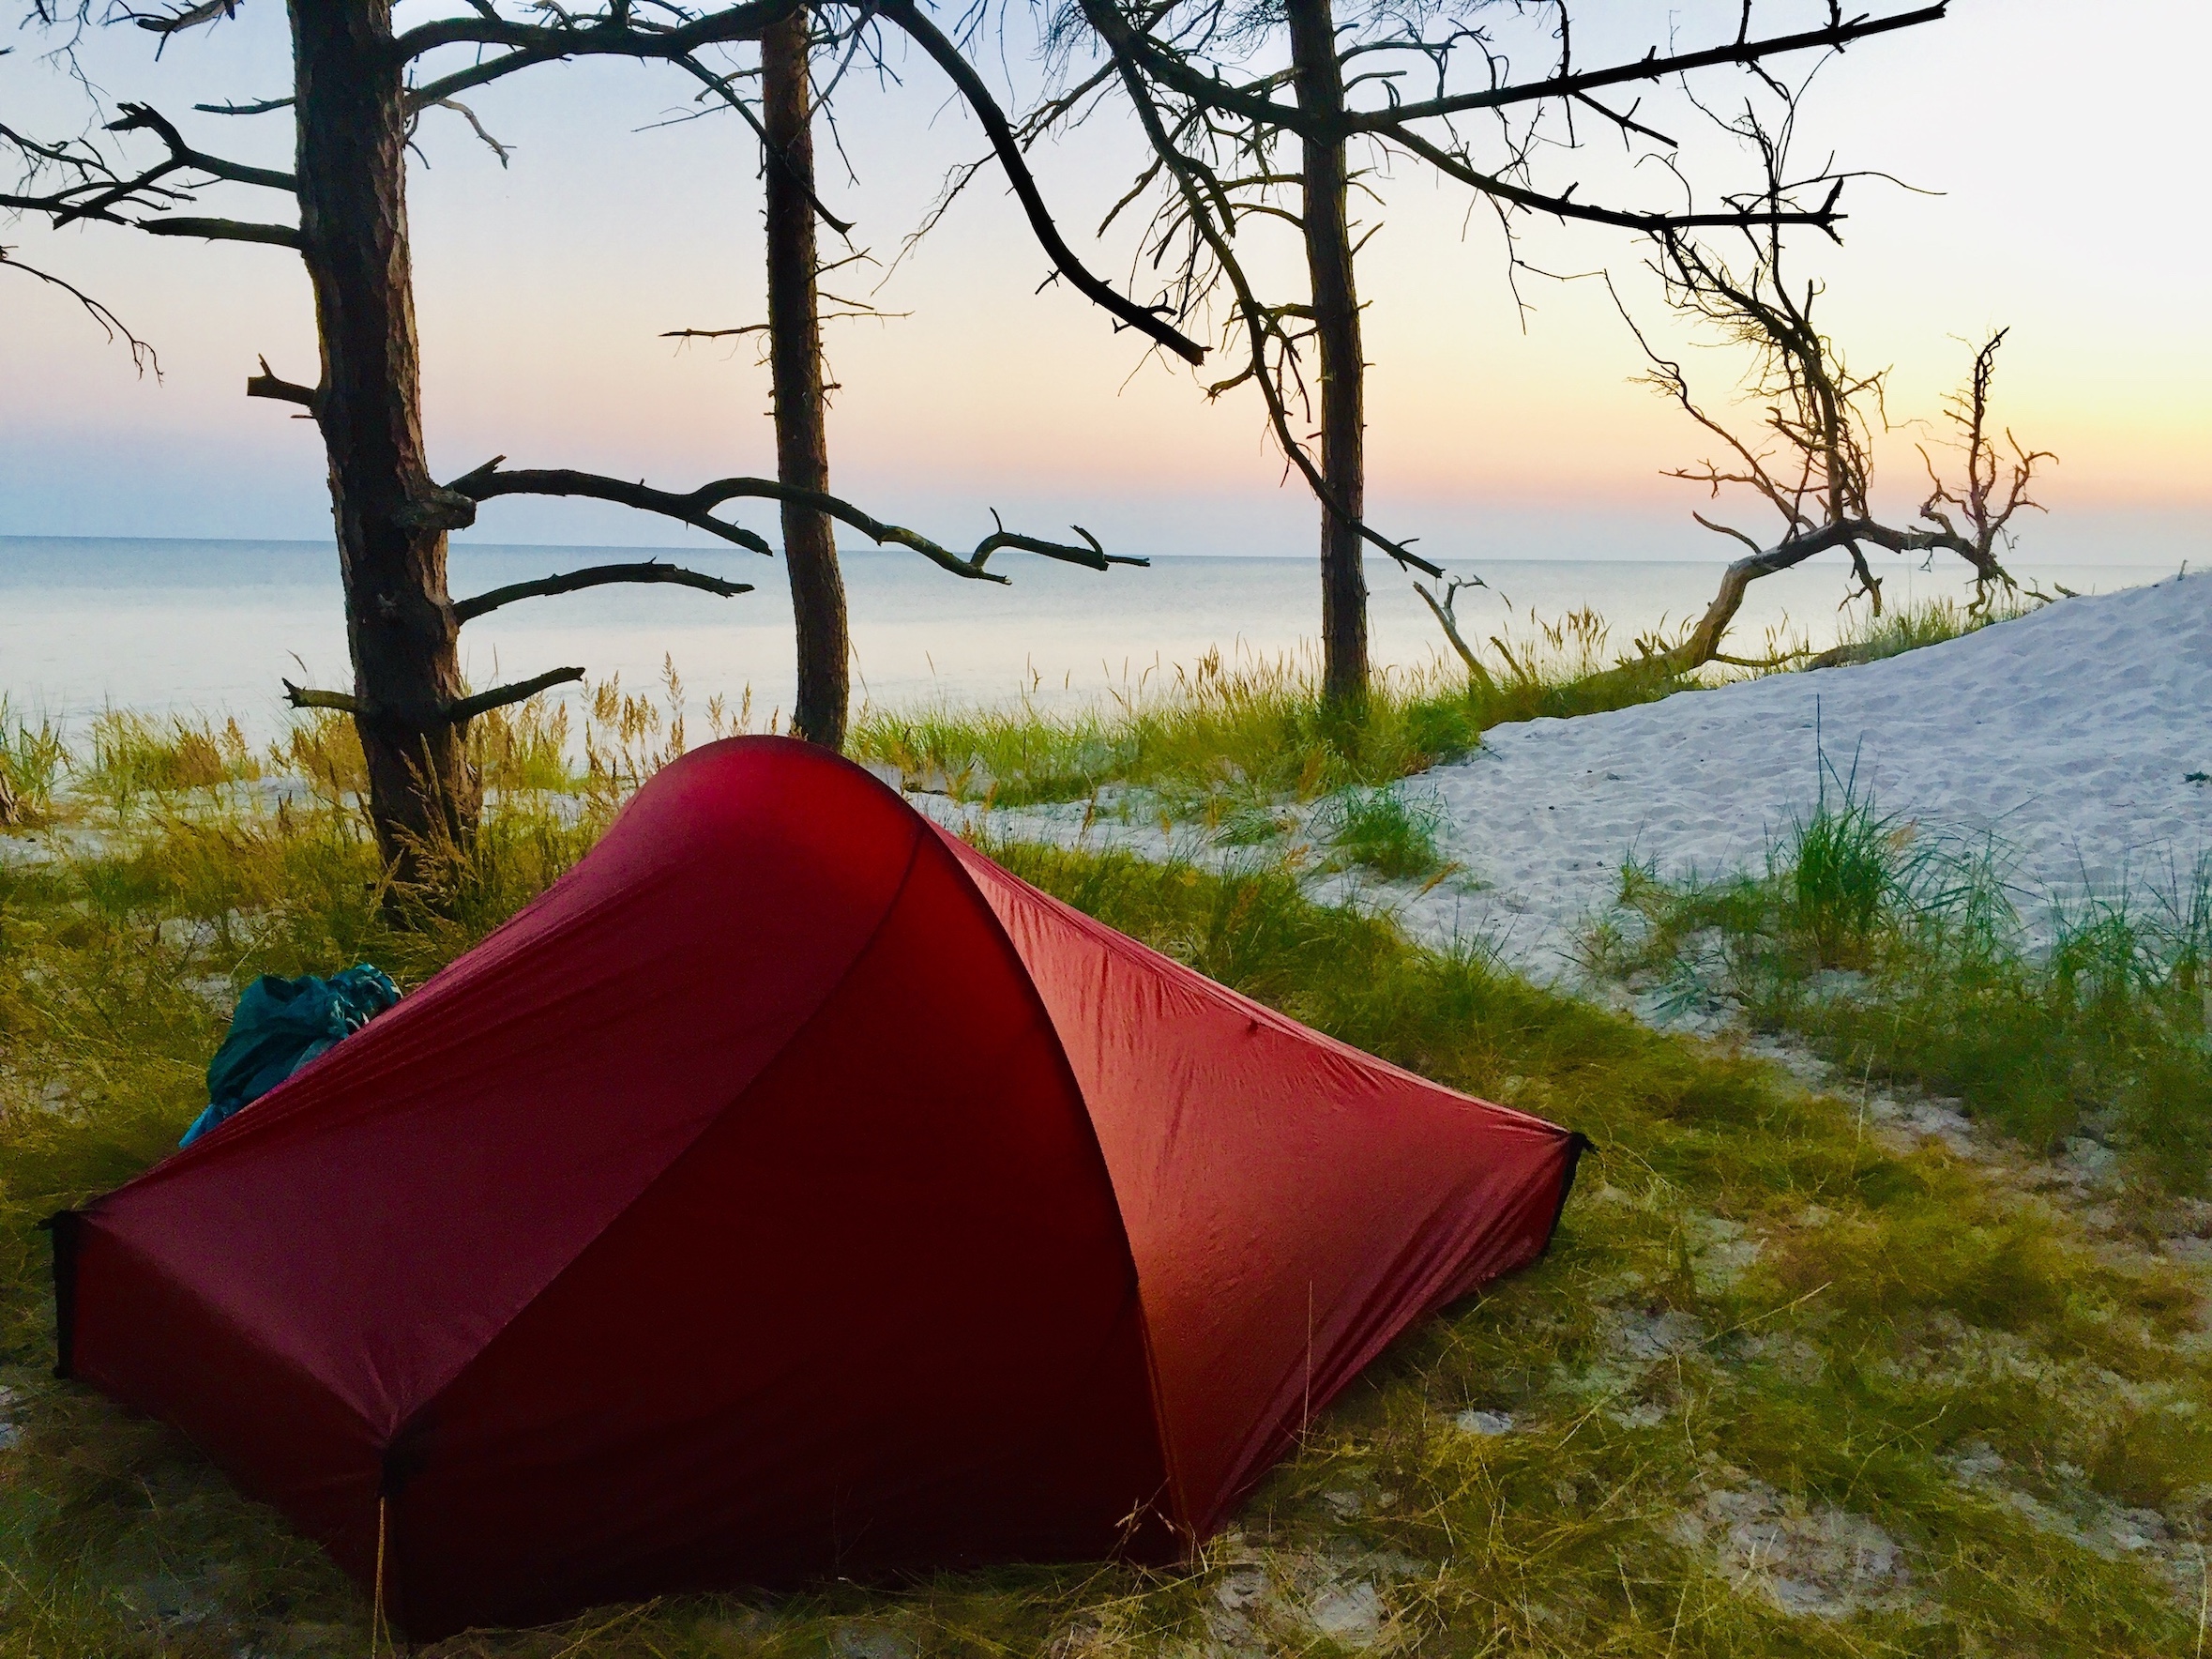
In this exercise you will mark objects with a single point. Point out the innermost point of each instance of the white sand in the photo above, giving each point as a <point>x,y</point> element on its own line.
<point>2065,736</point>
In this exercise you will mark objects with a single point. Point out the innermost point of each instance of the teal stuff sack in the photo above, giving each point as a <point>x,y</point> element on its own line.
<point>279,1026</point>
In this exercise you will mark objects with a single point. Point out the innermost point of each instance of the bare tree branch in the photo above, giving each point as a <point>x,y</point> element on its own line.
<point>266,385</point>
<point>168,24</point>
<point>138,117</point>
<point>1260,323</point>
<point>615,33</point>
<point>307,697</point>
<point>696,507</point>
<point>261,107</point>
<point>1447,614</point>
<point>720,85</point>
<point>1565,207</point>
<point>223,230</point>
<point>475,125</point>
<point>1837,33</point>
<point>1146,320</point>
<point>651,570</point>
<point>458,711</point>
<point>463,710</point>
<point>142,355</point>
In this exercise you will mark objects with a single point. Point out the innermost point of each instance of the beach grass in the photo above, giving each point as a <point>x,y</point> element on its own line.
<point>1391,830</point>
<point>1906,958</point>
<point>1781,1387</point>
<point>1231,738</point>
<point>1229,734</point>
<point>1868,636</point>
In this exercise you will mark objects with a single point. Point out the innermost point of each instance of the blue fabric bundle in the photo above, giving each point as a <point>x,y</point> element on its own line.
<point>279,1026</point>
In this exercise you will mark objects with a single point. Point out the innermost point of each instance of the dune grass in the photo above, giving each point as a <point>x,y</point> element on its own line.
<point>1780,1388</point>
<point>1227,741</point>
<point>1391,830</point>
<point>1867,637</point>
<point>1904,956</point>
<point>1226,734</point>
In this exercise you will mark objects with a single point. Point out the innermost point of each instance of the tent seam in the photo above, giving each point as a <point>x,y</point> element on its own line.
<point>1183,1519</point>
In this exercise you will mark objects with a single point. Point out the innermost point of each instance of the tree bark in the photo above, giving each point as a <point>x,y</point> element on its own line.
<point>391,517</point>
<point>795,346</point>
<point>1320,84</point>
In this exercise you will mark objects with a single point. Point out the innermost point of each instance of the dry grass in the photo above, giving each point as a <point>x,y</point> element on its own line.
<point>1781,1387</point>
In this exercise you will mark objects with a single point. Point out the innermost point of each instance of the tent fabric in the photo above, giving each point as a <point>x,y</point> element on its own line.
<point>789,1190</point>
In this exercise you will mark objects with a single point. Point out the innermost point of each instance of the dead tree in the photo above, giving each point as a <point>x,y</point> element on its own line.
<point>795,335</point>
<point>1239,143</point>
<point>359,90</point>
<point>792,333</point>
<point>1811,457</point>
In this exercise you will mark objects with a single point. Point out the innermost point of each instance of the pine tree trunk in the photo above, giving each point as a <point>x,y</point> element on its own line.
<point>795,335</point>
<point>1320,84</point>
<point>391,518</point>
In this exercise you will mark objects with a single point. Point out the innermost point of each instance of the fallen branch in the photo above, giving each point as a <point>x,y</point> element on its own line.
<point>468,610</point>
<point>1447,618</point>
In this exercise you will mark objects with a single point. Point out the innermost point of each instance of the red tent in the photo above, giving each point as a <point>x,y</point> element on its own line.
<point>789,1190</point>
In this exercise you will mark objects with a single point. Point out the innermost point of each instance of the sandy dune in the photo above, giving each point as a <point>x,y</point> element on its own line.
<point>2067,736</point>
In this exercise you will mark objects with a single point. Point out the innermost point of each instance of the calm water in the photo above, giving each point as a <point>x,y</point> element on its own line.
<point>211,626</point>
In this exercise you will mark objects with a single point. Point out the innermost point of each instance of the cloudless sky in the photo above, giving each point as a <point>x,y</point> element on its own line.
<point>2062,141</point>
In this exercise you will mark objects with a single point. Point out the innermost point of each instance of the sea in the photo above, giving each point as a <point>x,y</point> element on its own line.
<point>211,628</point>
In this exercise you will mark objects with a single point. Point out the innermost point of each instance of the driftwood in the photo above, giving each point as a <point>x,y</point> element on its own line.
<point>1811,459</point>
<point>1446,616</point>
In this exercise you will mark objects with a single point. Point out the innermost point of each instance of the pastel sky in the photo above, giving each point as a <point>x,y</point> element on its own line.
<point>2064,141</point>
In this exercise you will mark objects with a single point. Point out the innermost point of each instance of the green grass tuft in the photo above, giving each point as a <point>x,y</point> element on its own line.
<point>1384,830</point>
<point>1841,870</point>
<point>1867,637</point>
<point>135,758</point>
